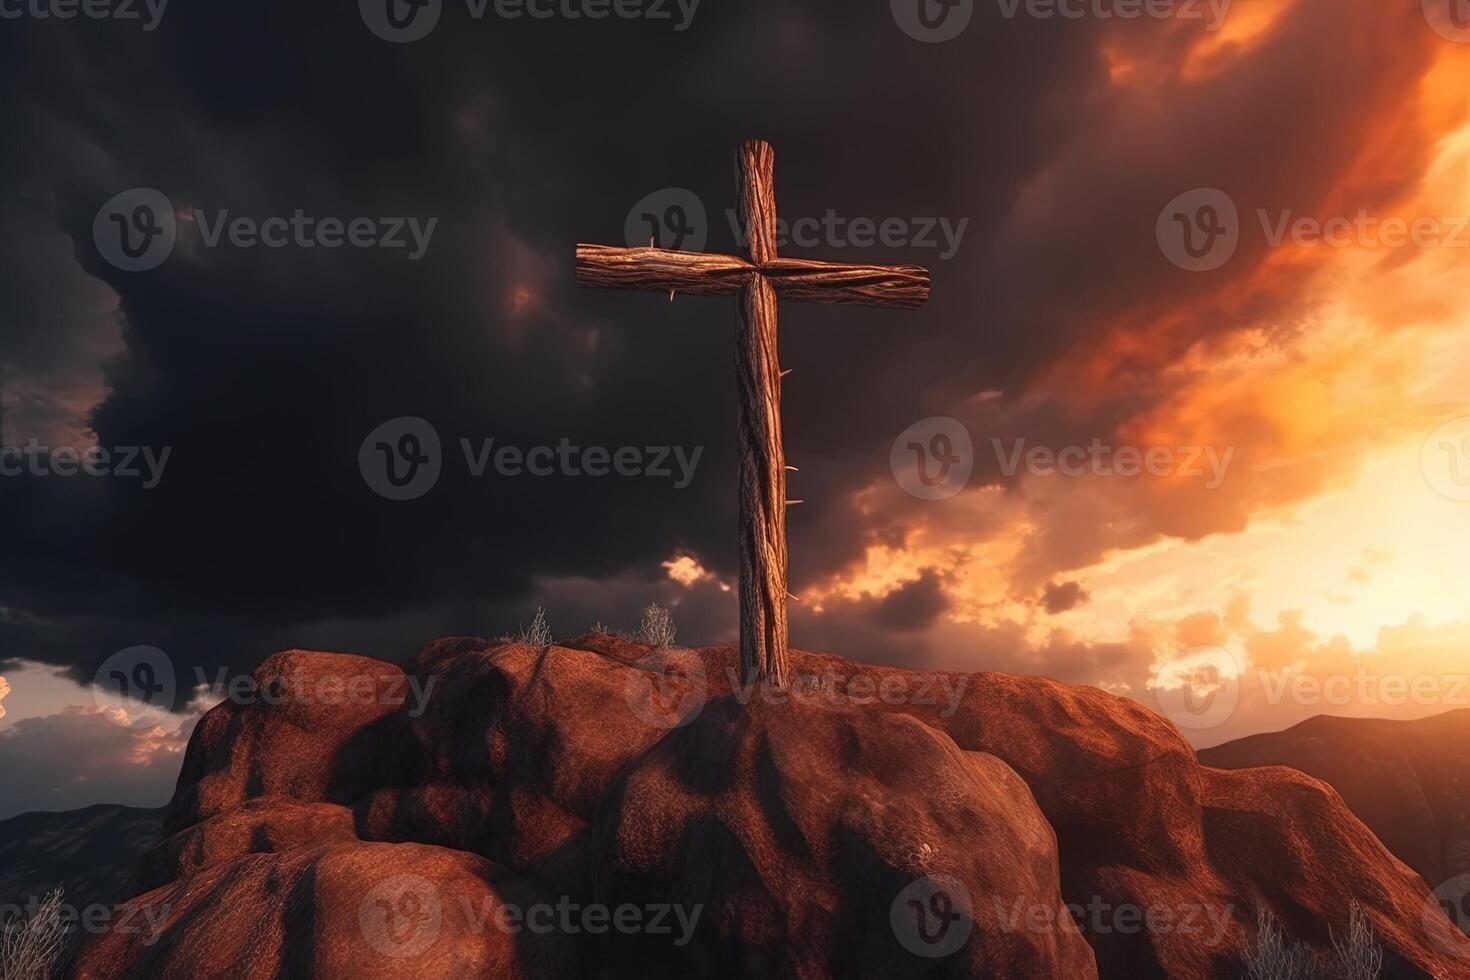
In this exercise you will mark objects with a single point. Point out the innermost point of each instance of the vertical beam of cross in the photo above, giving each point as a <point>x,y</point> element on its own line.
<point>764,642</point>
<point>764,636</point>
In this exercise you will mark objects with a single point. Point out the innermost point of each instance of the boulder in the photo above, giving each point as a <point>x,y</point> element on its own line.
<point>826,839</point>
<point>363,911</point>
<point>311,727</point>
<point>261,826</point>
<point>867,821</point>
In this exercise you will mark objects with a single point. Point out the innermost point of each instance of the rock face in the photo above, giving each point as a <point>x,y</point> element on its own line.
<point>602,809</point>
<point>1409,781</point>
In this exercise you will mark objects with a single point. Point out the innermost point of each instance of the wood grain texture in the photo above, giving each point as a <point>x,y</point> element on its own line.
<point>755,176</point>
<point>700,274</point>
<point>764,642</point>
<point>660,270</point>
<point>903,287</point>
<point>762,465</point>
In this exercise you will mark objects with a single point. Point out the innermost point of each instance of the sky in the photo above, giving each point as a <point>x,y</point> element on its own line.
<point>1186,416</point>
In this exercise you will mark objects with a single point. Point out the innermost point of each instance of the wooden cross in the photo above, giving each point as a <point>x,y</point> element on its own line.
<point>759,281</point>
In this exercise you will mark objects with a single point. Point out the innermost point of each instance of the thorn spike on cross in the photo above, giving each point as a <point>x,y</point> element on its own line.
<point>759,281</point>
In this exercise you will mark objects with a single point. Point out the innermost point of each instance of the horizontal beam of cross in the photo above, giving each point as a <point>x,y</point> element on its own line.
<point>699,274</point>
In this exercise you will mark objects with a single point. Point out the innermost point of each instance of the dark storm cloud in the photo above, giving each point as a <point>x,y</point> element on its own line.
<point>914,606</point>
<point>1058,597</point>
<point>264,369</point>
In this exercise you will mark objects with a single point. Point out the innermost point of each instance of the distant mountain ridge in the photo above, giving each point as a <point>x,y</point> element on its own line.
<point>1409,781</point>
<point>92,853</point>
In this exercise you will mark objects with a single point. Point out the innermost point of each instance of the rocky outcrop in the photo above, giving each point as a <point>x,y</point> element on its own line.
<point>608,810</point>
<point>362,910</point>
